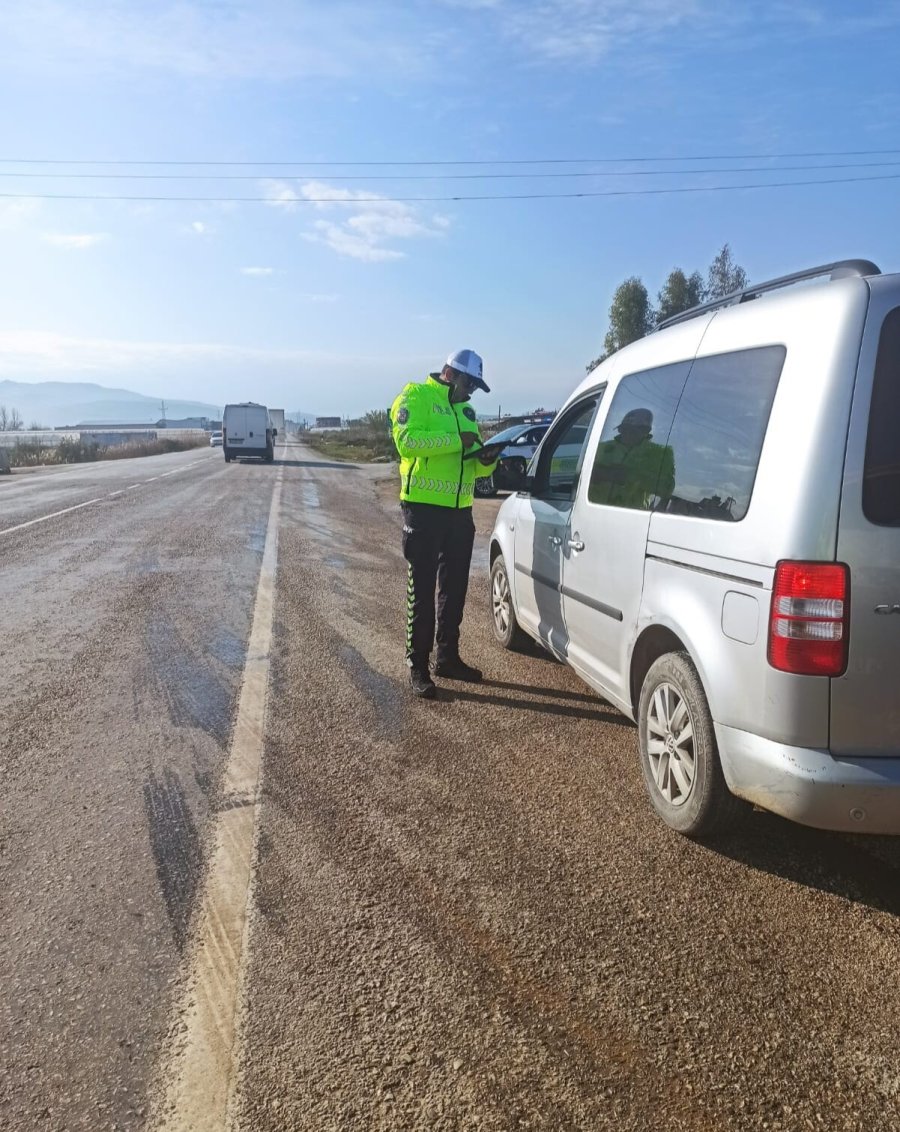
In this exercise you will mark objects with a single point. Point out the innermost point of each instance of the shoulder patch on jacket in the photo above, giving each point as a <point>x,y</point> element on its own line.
<point>402,415</point>
<point>469,412</point>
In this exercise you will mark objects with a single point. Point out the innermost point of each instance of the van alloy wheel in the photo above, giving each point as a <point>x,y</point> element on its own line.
<point>679,756</point>
<point>507,631</point>
<point>501,602</point>
<point>670,745</point>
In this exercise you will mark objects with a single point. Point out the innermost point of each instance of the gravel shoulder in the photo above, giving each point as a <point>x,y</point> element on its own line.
<point>466,917</point>
<point>464,914</point>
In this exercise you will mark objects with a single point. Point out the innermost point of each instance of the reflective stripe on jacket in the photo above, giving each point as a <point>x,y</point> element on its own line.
<point>427,431</point>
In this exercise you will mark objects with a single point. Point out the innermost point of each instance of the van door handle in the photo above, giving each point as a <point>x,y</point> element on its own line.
<point>575,543</point>
<point>555,541</point>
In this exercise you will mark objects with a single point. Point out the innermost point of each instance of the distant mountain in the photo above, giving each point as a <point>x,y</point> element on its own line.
<point>301,417</point>
<point>54,403</point>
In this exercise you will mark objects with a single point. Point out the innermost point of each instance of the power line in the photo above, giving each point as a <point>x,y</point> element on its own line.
<point>501,162</point>
<point>458,197</point>
<point>450,176</point>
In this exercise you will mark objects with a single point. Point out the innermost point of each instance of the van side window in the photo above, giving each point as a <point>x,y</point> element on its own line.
<point>718,433</point>
<point>633,465</point>
<point>560,462</point>
<point>881,475</point>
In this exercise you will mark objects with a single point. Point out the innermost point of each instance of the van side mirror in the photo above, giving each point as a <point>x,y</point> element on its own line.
<point>519,480</point>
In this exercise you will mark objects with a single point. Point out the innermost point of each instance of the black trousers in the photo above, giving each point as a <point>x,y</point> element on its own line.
<point>437,544</point>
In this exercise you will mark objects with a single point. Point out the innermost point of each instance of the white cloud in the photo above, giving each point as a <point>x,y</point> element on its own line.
<point>313,298</point>
<point>15,213</point>
<point>39,355</point>
<point>46,352</point>
<point>278,40</point>
<point>280,195</point>
<point>257,270</point>
<point>201,228</point>
<point>77,242</point>
<point>347,243</point>
<point>368,226</point>
<point>231,39</point>
<point>587,30</point>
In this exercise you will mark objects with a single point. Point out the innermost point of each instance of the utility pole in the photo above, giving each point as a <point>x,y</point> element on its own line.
<point>162,405</point>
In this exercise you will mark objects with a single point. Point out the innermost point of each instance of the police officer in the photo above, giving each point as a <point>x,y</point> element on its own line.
<point>434,426</point>
<point>631,470</point>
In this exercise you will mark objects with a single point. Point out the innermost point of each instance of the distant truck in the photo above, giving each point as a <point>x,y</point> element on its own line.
<point>276,416</point>
<point>247,431</point>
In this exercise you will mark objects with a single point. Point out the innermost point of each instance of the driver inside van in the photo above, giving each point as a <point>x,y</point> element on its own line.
<point>631,469</point>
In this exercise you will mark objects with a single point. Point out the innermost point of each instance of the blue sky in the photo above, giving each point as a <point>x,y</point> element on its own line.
<point>314,299</point>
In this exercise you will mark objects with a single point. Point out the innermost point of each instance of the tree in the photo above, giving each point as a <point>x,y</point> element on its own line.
<point>594,363</point>
<point>630,316</point>
<point>378,420</point>
<point>725,275</point>
<point>679,293</point>
<point>16,423</point>
<point>4,418</point>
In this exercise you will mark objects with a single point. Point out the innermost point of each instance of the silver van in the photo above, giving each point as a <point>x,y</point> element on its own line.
<point>709,534</point>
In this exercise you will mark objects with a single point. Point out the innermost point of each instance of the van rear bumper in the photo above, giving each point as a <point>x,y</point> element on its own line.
<point>810,786</point>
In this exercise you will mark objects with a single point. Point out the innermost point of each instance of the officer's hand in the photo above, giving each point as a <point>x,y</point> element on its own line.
<point>468,439</point>
<point>485,458</point>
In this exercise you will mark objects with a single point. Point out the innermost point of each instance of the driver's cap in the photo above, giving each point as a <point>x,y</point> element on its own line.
<point>467,361</point>
<point>637,418</point>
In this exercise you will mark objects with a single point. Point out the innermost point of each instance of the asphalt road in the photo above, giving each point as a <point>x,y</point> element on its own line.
<point>463,914</point>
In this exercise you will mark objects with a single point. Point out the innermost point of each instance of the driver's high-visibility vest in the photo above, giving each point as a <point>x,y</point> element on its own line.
<point>427,430</point>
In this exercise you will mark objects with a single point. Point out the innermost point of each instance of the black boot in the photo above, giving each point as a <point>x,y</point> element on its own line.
<point>421,683</point>
<point>452,668</point>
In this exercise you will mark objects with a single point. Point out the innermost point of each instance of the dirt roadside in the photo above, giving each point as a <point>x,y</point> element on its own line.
<point>466,917</point>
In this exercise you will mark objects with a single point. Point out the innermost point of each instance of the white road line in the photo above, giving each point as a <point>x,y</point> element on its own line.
<point>44,518</point>
<point>197,1077</point>
<point>88,502</point>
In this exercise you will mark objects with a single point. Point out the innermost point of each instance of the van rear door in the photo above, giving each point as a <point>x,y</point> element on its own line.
<point>235,424</point>
<point>865,701</point>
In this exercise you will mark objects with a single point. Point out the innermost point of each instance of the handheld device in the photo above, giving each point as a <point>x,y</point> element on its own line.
<point>491,450</point>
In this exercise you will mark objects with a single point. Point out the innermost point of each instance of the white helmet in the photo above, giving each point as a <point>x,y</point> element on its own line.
<point>467,361</point>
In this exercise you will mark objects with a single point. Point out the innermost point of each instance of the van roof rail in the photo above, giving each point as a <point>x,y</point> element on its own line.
<point>840,269</point>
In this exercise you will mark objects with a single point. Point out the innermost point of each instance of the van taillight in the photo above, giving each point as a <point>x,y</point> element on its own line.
<point>810,619</point>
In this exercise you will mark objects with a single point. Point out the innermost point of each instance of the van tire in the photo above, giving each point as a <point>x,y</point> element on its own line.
<point>694,800</point>
<point>507,631</point>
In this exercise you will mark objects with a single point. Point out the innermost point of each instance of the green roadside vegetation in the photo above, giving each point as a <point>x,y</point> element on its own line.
<point>344,445</point>
<point>26,454</point>
<point>365,441</point>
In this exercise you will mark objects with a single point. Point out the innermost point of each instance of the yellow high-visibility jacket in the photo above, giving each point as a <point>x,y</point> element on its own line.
<point>427,431</point>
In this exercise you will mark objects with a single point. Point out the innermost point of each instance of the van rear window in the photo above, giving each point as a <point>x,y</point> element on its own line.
<point>695,437</point>
<point>718,433</point>
<point>881,475</point>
